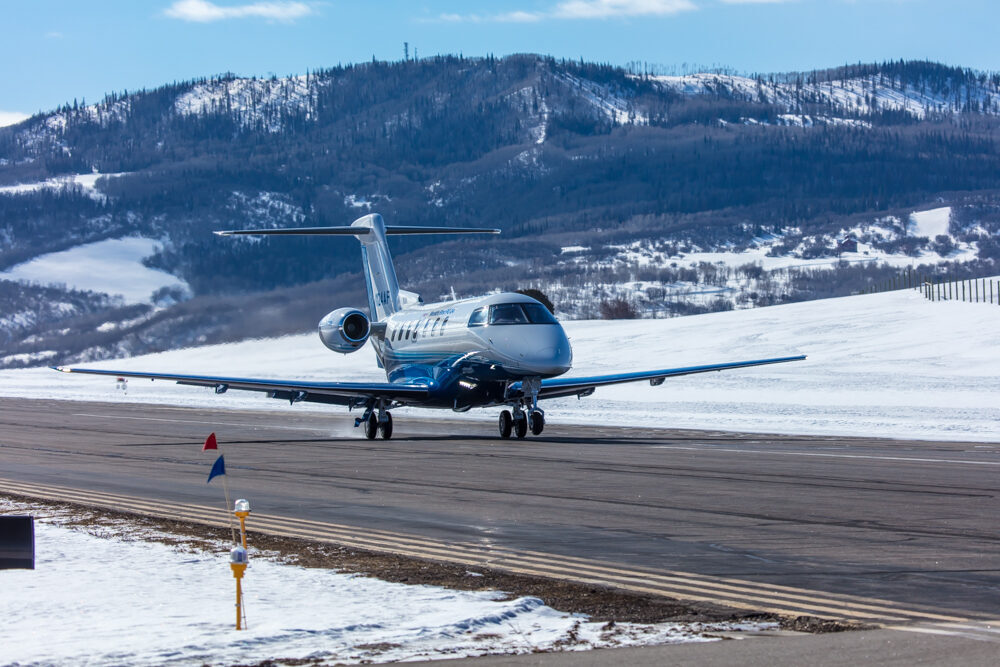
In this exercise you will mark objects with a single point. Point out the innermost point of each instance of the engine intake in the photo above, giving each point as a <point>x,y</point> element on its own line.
<point>344,330</point>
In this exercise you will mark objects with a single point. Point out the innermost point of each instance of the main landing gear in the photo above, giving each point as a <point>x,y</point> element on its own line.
<point>524,414</point>
<point>520,422</point>
<point>376,421</point>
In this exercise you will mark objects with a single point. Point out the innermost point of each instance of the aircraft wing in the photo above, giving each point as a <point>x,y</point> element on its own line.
<point>337,393</point>
<point>559,387</point>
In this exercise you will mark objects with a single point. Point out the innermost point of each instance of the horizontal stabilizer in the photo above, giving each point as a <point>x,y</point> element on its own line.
<point>354,231</point>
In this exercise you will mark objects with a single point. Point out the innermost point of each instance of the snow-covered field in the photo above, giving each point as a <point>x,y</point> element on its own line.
<point>86,182</point>
<point>113,266</point>
<point>892,365</point>
<point>112,595</point>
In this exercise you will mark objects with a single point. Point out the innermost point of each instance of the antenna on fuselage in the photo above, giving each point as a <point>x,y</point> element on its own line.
<point>370,230</point>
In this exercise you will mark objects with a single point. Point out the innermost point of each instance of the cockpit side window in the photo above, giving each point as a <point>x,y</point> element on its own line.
<point>478,318</point>
<point>507,313</point>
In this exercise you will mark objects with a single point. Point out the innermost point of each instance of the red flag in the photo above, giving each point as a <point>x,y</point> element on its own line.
<point>210,443</point>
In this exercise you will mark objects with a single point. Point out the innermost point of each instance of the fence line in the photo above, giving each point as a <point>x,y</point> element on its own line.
<point>970,290</point>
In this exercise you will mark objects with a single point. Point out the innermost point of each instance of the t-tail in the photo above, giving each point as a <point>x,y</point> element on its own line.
<point>384,297</point>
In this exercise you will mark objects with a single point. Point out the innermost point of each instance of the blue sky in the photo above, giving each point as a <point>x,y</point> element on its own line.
<point>55,51</point>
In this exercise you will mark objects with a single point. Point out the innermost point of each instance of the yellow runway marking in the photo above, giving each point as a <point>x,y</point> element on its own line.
<point>737,593</point>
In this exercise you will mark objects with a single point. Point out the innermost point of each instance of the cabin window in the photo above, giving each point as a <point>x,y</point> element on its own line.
<point>407,333</point>
<point>443,325</point>
<point>478,318</point>
<point>436,323</point>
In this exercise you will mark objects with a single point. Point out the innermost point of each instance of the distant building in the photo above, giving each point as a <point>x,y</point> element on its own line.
<point>847,244</point>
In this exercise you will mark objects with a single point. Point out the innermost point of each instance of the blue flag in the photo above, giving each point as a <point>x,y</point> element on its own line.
<point>219,468</point>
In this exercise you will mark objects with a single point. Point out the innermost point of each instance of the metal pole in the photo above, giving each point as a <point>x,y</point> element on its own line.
<point>239,605</point>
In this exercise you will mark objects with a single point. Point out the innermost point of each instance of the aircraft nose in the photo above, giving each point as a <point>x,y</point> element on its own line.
<point>550,353</point>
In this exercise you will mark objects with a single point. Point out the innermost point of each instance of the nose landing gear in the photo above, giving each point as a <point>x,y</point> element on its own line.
<point>520,422</point>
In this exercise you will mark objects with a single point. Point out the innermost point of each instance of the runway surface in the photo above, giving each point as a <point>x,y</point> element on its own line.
<point>896,531</point>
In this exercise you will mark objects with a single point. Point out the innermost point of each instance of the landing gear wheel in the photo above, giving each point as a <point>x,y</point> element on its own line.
<point>386,427</point>
<point>506,424</point>
<point>536,420</point>
<point>520,425</point>
<point>371,426</point>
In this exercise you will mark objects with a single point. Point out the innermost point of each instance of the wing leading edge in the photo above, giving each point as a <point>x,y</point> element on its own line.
<point>560,387</point>
<point>337,393</point>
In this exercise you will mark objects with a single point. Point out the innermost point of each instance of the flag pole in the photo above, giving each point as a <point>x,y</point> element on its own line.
<point>211,442</point>
<point>229,507</point>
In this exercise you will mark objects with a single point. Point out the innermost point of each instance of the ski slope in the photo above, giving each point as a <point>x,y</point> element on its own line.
<point>891,365</point>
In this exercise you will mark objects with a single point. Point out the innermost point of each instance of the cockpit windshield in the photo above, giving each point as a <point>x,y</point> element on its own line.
<point>520,313</point>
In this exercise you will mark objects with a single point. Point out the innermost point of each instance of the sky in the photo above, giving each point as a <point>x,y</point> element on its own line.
<point>57,51</point>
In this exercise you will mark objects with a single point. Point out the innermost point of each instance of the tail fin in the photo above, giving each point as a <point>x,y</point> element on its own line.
<point>380,276</point>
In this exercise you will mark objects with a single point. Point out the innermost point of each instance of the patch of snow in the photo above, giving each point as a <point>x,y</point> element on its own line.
<point>931,223</point>
<point>355,201</point>
<point>122,600</point>
<point>574,248</point>
<point>617,109</point>
<point>113,266</point>
<point>86,182</point>
<point>860,95</point>
<point>264,103</point>
<point>28,357</point>
<point>12,118</point>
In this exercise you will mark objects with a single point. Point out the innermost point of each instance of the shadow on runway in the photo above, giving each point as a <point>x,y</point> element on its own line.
<point>459,439</point>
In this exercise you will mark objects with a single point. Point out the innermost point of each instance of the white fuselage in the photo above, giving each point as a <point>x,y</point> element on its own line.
<point>421,338</point>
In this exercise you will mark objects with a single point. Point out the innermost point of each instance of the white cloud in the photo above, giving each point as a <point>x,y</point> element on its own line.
<point>11,117</point>
<point>509,17</point>
<point>601,9</point>
<point>203,11</point>
<point>756,2</point>
<point>581,9</point>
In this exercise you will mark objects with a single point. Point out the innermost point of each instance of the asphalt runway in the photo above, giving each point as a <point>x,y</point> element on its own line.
<point>907,523</point>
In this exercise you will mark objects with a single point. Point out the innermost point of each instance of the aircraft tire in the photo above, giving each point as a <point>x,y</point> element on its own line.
<point>536,421</point>
<point>371,426</point>
<point>386,428</point>
<point>506,424</point>
<point>520,425</point>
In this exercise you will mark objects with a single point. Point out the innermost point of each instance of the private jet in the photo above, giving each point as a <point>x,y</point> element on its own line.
<point>503,350</point>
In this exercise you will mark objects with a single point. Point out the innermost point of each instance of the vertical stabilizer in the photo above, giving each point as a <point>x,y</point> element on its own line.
<point>380,276</point>
<point>384,297</point>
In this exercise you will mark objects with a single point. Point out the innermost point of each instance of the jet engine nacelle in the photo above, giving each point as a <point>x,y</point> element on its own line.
<point>344,330</point>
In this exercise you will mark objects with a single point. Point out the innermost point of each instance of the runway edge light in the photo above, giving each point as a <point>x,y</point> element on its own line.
<point>239,559</point>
